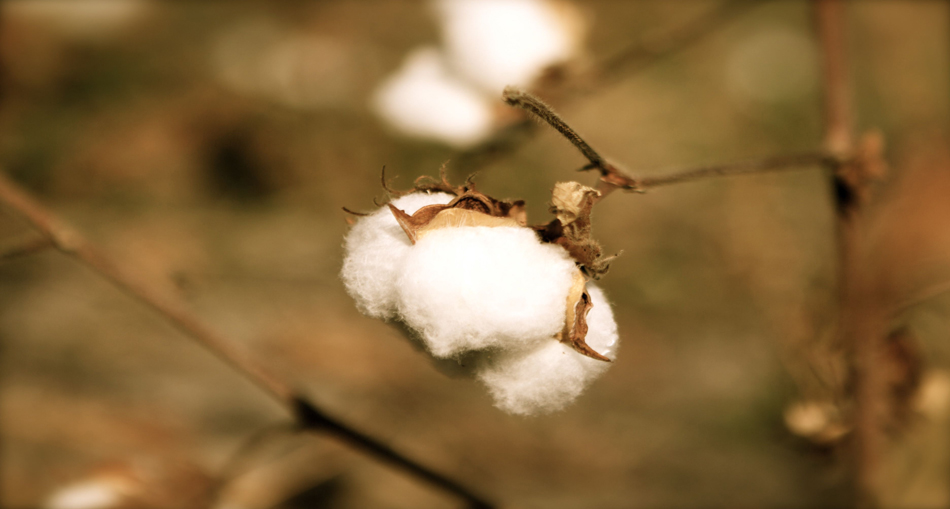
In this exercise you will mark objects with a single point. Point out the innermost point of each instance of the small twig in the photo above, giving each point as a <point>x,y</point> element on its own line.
<point>24,246</point>
<point>236,465</point>
<point>636,58</point>
<point>830,20</point>
<point>613,177</point>
<point>513,96</point>
<point>307,414</point>
<point>925,294</point>
<point>863,324</point>
<point>773,163</point>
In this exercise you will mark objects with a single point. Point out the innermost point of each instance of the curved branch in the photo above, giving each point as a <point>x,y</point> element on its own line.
<point>307,414</point>
<point>612,177</point>
<point>23,246</point>
<point>637,57</point>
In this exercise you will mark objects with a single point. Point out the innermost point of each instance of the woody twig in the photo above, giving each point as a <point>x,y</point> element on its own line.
<point>308,415</point>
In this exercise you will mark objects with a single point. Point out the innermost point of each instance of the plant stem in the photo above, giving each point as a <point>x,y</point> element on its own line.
<point>614,178</point>
<point>307,414</point>
<point>863,325</point>
<point>24,246</point>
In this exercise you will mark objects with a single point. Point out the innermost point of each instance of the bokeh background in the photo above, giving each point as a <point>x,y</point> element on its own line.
<point>209,147</point>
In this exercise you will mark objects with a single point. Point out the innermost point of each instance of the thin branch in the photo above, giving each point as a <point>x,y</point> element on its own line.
<point>636,58</point>
<point>614,178</point>
<point>24,246</point>
<point>935,290</point>
<point>307,414</point>
<point>518,98</point>
<point>830,21</point>
<point>863,326</point>
<point>773,163</point>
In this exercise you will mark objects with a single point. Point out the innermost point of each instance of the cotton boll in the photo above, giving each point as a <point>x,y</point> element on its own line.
<point>495,43</point>
<point>423,99</point>
<point>96,494</point>
<point>548,377</point>
<point>602,332</point>
<point>374,249</point>
<point>475,287</point>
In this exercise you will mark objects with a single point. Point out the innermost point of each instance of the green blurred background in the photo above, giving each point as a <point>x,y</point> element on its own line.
<point>158,129</point>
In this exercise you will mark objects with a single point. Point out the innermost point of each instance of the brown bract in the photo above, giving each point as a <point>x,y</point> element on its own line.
<point>574,332</point>
<point>572,203</point>
<point>471,208</point>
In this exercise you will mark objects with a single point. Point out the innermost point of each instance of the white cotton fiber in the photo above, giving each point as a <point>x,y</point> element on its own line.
<point>491,298</point>
<point>475,287</point>
<point>424,100</point>
<point>548,377</point>
<point>374,250</point>
<point>496,43</point>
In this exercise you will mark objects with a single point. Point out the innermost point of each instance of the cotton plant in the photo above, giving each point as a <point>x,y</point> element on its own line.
<point>469,279</point>
<point>446,92</point>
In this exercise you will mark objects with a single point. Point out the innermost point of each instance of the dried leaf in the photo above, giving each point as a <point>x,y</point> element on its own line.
<point>575,323</point>
<point>453,218</point>
<point>902,368</point>
<point>412,224</point>
<point>470,208</point>
<point>517,211</point>
<point>572,203</point>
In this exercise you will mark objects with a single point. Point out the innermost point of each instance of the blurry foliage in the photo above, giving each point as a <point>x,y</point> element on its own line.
<point>231,195</point>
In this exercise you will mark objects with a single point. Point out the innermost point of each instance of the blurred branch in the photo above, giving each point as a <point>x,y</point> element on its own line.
<point>307,414</point>
<point>863,325</point>
<point>925,294</point>
<point>23,246</point>
<point>636,58</point>
<point>612,177</point>
<point>235,467</point>
<point>836,93</point>
<point>767,164</point>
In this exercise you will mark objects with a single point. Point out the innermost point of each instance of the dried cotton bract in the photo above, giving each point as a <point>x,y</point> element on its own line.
<point>466,275</point>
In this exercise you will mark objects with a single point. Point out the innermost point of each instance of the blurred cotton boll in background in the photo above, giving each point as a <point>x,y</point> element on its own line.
<point>424,100</point>
<point>495,43</point>
<point>450,93</point>
<point>776,65</point>
<point>138,483</point>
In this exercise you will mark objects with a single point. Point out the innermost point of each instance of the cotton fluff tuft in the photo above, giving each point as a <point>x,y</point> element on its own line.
<point>448,93</point>
<point>375,248</point>
<point>424,100</point>
<point>548,377</point>
<point>495,43</point>
<point>495,296</point>
<point>475,287</point>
